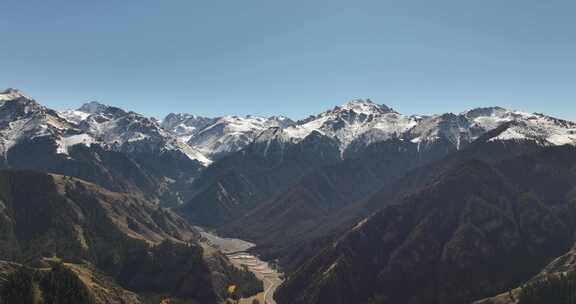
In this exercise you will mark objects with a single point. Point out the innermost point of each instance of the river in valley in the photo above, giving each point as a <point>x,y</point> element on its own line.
<point>236,251</point>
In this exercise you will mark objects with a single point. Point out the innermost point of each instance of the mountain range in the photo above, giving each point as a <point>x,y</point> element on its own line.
<point>357,204</point>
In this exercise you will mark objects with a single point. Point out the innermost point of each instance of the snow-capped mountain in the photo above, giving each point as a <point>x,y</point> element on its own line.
<point>354,119</point>
<point>359,123</point>
<point>78,115</point>
<point>128,131</point>
<point>184,125</point>
<point>117,149</point>
<point>11,94</point>
<point>354,125</point>
<point>23,119</point>
<point>232,133</point>
<point>468,126</point>
<point>540,128</point>
<point>34,137</point>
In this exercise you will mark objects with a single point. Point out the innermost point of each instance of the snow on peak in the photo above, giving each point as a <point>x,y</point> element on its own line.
<point>364,106</point>
<point>451,127</point>
<point>493,117</point>
<point>539,128</point>
<point>130,131</point>
<point>93,107</point>
<point>173,119</point>
<point>74,116</point>
<point>232,133</point>
<point>184,125</point>
<point>127,131</point>
<point>272,137</point>
<point>22,118</point>
<point>279,121</point>
<point>12,94</point>
<point>470,125</point>
<point>359,122</point>
<point>86,110</point>
<point>285,121</point>
<point>485,111</point>
<point>15,105</point>
<point>363,122</point>
<point>350,121</point>
<point>271,134</point>
<point>236,124</point>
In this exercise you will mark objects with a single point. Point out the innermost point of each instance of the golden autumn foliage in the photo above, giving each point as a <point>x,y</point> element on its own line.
<point>231,289</point>
<point>165,301</point>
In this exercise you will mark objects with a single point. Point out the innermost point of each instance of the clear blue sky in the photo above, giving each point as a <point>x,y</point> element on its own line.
<point>215,57</point>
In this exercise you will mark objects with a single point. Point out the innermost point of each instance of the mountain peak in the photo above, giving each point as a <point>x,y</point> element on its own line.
<point>14,102</point>
<point>93,107</point>
<point>364,106</point>
<point>10,91</point>
<point>352,120</point>
<point>359,101</point>
<point>281,120</point>
<point>485,111</point>
<point>11,94</point>
<point>180,116</point>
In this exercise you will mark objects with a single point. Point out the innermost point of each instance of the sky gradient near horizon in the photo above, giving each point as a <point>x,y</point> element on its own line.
<point>293,58</point>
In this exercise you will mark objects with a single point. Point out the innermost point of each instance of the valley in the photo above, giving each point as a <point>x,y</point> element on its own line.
<point>236,251</point>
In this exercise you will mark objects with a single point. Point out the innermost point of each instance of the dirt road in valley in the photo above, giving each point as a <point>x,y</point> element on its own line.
<point>235,250</point>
